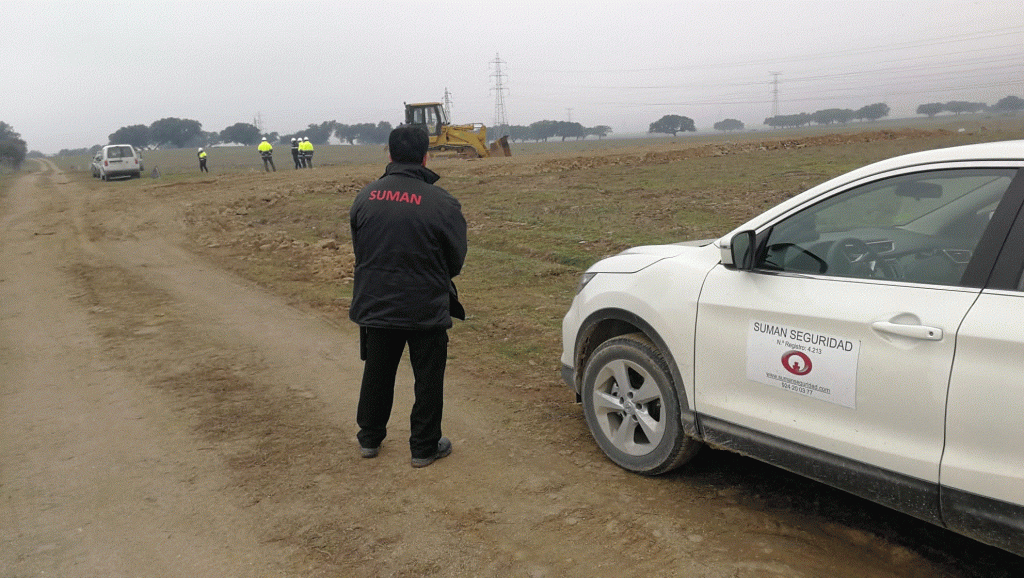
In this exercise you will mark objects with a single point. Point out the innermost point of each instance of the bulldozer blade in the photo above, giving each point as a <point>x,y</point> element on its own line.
<point>500,147</point>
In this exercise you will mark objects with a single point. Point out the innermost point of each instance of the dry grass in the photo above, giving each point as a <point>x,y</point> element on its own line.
<point>536,220</point>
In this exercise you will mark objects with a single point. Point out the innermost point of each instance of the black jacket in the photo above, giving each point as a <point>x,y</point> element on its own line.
<point>409,238</point>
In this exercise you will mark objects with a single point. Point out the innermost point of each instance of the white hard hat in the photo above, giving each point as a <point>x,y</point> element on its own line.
<point>305,138</point>
<point>264,138</point>
<point>200,149</point>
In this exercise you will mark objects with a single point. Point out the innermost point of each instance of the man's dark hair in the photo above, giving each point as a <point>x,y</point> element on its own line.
<point>408,144</point>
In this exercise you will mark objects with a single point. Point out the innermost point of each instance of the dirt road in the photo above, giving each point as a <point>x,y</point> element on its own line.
<point>162,418</point>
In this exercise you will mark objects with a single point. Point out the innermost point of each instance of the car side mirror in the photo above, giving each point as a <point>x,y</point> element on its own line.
<point>740,251</point>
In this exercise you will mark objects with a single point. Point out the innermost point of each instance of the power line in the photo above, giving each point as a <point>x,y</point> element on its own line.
<point>980,74</point>
<point>828,55</point>
<point>960,67</point>
<point>717,102</point>
<point>892,76</point>
<point>903,71</point>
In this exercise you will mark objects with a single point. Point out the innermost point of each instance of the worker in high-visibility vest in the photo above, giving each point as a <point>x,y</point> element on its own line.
<point>202,161</point>
<point>302,152</point>
<point>306,150</point>
<point>267,154</point>
<point>296,154</point>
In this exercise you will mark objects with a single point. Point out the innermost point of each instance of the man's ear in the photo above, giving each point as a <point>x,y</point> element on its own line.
<point>425,156</point>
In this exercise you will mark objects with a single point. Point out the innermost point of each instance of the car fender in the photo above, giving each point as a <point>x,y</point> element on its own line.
<point>607,323</point>
<point>661,302</point>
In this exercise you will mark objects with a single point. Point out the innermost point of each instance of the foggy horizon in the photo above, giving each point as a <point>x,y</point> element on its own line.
<point>79,74</point>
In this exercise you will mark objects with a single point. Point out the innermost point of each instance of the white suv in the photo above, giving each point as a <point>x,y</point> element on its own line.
<point>865,333</point>
<point>119,161</point>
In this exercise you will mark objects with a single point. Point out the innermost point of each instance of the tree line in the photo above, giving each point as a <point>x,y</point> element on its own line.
<point>674,123</point>
<point>879,110</point>
<point>12,148</point>
<point>182,132</point>
<point>542,130</point>
<point>1006,104</point>
<point>829,116</point>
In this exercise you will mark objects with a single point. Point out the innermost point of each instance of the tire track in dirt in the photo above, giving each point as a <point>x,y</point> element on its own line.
<point>96,478</point>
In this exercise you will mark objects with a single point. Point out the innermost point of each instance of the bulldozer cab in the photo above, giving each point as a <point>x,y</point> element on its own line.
<point>429,115</point>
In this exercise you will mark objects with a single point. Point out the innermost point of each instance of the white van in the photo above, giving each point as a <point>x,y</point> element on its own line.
<point>120,160</point>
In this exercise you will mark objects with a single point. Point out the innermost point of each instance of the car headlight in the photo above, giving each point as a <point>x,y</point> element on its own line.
<point>584,279</point>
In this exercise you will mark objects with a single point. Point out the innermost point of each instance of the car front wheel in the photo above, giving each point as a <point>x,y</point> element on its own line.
<point>632,407</point>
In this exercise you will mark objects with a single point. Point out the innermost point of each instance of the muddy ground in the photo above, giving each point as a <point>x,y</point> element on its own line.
<point>162,417</point>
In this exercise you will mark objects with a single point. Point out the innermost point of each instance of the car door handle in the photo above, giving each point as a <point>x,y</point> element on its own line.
<point>914,331</point>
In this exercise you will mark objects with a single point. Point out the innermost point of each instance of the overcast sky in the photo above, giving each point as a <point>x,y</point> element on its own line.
<point>74,72</point>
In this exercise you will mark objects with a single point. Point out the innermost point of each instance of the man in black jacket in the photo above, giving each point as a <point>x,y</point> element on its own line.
<point>409,238</point>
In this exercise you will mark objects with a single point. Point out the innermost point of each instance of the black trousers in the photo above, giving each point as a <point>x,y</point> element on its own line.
<point>268,163</point>
<point>295,157</point>
<point>382,351</point>
<point>202,166</point>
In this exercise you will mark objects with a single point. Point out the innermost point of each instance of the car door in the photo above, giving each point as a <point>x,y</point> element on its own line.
<point>832,355</point>
<point>114,161</point>
<point>982,471</point>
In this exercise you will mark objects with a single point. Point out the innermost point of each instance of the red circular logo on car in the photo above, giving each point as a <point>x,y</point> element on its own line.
<point>796,362</point>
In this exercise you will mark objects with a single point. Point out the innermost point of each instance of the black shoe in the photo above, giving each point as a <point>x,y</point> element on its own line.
<point>444,448</point>
<point>369,452</point>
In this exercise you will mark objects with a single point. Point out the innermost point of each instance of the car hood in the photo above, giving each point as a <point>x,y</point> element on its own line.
<point>637,258</point>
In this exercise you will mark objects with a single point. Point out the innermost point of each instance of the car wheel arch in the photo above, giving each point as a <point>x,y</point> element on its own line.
<point>605,324</point>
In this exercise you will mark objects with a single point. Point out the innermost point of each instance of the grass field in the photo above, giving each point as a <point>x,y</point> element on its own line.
<point>536,220</point>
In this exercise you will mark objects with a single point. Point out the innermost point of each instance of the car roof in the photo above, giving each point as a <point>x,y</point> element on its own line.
<point>1010,150</point>
<point>996,151</point>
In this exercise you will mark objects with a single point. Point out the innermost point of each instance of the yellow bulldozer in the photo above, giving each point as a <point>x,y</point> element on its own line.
<point>464,140</point>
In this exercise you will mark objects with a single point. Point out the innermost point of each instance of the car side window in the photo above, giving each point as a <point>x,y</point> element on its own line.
<point>918,228</point>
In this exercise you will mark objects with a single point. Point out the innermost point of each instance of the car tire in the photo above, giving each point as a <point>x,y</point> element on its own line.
<point>632,407</point>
